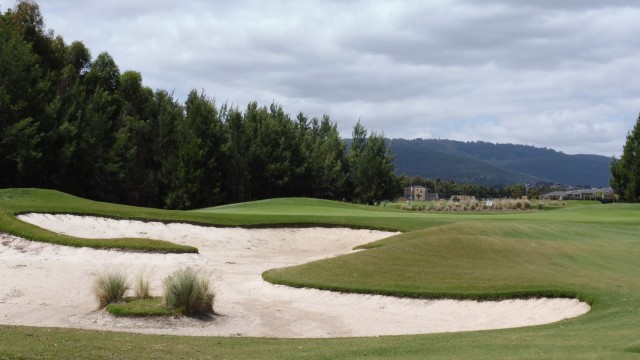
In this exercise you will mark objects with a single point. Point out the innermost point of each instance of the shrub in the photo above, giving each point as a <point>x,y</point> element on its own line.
<point>110,286</point>
<point>186,292</point>
<point>142,286</point>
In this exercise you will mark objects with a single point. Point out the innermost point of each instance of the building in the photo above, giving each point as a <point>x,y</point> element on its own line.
<point>415,193</point>
<point>604,194</point>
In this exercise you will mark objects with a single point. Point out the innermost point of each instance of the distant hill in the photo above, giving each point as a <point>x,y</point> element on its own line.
<point>495,164</point>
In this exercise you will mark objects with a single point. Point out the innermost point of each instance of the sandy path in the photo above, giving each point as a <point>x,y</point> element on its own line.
<point>49,285</point>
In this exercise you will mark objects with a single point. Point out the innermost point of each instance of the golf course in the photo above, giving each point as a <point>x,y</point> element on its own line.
<point>582,250</point>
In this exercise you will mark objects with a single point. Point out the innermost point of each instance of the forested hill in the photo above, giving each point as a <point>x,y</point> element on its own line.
<point>493,164</point>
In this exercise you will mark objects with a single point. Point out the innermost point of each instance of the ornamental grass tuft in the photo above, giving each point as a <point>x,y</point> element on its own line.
<point>110,287</point>
<point>187,292</point>
<point>142,286</point>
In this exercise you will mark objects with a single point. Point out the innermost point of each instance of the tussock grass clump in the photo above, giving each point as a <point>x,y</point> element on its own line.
<point>142,286</point>
<point>187,292</point>
<point>110,287</point>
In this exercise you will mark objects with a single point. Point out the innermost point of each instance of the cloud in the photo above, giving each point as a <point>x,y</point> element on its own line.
<point>546,73</point>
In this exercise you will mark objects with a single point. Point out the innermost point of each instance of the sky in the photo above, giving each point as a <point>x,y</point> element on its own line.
<point>549,73</point>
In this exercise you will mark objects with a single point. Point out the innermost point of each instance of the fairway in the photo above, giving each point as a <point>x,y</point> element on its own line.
<point>589,252</point>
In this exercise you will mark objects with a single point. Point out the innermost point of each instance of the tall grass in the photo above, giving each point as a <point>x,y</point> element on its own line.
<point>474,205</point>
<point>110,286</point>
<point>187,292</point>
<point>142,285</point>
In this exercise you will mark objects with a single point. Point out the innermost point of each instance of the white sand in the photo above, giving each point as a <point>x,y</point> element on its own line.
<point>50,285</point>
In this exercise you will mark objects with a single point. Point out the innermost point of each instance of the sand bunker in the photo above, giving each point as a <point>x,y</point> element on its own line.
<point>50,285</point>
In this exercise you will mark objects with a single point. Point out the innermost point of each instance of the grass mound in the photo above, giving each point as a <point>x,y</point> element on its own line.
<point>187,292</point>
<point>110,287</point>
<point>135,307</point>
<point>472,260</point>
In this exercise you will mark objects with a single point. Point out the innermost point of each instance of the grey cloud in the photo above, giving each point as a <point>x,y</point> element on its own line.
<point>502,71</point>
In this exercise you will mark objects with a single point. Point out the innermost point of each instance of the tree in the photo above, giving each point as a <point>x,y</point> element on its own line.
<point>378,181</point>
<point>237,179</point>
<point>356,180</point>
<point>371,168</point>
<point>202,155</point>
<point>326,162</point>
<point>625,172</point>
<point>104,74</point>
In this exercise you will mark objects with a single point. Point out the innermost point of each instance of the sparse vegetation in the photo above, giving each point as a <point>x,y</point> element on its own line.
<point>478,206</point>
<point>188,292</point>
<point>110,286</point>
<point>142,285</point>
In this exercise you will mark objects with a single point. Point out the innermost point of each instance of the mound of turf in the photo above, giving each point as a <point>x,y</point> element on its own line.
<point>467,260</point>
<point>133,307</point>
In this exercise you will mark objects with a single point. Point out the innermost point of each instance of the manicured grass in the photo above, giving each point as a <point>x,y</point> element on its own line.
<point>18,201</point>
<point>134,307</point>
<point>592,252</point>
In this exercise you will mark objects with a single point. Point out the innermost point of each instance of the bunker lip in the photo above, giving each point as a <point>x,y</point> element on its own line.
<point>50,285</point>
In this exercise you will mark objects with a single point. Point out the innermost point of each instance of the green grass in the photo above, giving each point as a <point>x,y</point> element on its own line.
<point>17,201</point>
<point>590,251</point>
<point>134,307</point>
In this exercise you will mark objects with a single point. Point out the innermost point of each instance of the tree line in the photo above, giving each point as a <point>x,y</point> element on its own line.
<point>446,188</point>
<point>77,124</point>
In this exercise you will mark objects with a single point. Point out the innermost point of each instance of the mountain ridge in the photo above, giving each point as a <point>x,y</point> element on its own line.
<point>496,164</point>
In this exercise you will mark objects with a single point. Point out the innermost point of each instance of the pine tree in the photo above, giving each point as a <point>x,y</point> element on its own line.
<point>625,172</point>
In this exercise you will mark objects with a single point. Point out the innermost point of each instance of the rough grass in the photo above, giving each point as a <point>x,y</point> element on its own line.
<point>188,292</point>
<point>110,286</point>
<point>142,286</point>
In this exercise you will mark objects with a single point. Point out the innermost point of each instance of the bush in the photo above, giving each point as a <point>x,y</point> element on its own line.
<point>186,292</point>
<point>110,286</point>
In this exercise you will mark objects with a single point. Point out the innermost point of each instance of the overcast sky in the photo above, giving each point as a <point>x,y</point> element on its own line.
<point>550,73</point>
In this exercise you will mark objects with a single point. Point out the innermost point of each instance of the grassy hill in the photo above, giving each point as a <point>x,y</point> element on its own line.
<point>591,252</point>
<point>491,164</point>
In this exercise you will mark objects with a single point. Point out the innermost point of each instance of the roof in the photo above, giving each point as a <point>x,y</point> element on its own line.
<point>604,191</point>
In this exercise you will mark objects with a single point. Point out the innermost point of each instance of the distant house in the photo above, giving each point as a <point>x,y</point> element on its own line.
<point>604,194</point>
<point>415,193</point>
